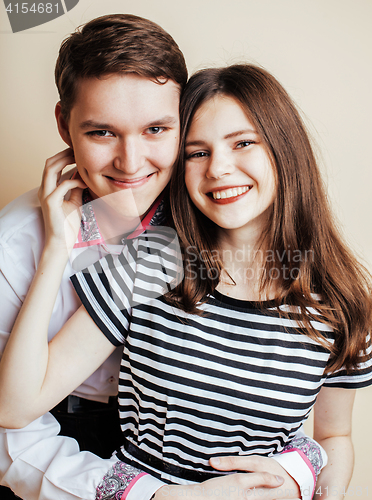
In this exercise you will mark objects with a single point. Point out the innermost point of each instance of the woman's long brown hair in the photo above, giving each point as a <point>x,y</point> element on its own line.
<point>301,223</point>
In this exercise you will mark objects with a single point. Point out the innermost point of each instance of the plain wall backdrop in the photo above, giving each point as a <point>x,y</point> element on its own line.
<point>320,50</point>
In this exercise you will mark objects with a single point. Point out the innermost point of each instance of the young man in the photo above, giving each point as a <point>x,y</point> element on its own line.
<point>119,80</point>
<point>123,130</point>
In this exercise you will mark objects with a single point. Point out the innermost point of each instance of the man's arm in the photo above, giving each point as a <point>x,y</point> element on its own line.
<point>35,462</point>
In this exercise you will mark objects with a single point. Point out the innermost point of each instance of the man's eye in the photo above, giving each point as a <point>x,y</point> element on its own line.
<point>244,144</point>
<point>100,133</point>
<point>155,130</point>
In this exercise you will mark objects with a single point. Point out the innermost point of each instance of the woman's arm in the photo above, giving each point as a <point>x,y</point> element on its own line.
<point>35,376</point>
<point>332,430</point>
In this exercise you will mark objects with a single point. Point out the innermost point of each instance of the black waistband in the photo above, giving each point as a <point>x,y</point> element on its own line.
<point>75,404</point>
<point>157,463</point>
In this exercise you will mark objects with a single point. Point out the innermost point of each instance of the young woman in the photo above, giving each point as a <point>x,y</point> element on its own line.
<point>272,314</point>
<point>268,254</point>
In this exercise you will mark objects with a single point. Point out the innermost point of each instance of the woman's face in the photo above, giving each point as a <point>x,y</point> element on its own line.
<point>229,175</point>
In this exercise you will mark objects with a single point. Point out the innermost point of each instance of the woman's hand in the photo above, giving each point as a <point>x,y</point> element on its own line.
<point>61,216</point>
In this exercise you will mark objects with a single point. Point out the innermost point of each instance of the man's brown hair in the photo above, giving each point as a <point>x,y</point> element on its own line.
<point>117,43</point>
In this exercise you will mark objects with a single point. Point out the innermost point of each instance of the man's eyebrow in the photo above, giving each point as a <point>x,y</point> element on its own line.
<point>93,124</point>
<point>165,120</point>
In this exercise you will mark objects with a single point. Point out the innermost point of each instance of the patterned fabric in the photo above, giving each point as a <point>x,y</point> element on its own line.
<point>88,226</point>
<point>159,218</point>
<point>115,482</point>
<point>310,448</point>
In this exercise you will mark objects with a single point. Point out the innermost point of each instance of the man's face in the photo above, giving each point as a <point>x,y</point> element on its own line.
<point>124,131</point>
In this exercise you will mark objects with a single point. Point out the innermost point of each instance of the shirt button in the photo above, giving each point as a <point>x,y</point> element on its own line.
<point>112,380</point>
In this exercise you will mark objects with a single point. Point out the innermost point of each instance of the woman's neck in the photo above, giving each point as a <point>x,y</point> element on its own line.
<point>243,257</point>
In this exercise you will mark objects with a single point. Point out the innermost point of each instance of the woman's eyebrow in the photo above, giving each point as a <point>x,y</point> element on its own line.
<point>240,132</point>
<point>227,136</point>
<point>194,143</point>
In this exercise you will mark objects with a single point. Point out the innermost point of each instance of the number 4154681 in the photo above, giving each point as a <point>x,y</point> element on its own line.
<point>36,8</point>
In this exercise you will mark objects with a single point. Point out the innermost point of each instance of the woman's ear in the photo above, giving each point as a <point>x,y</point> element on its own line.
<point>62,125</point>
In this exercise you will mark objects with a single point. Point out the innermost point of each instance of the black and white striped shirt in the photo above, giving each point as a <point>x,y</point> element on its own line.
<point>236,380</point>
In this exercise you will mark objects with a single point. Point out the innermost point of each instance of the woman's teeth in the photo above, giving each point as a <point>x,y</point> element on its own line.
<point>229,193</point>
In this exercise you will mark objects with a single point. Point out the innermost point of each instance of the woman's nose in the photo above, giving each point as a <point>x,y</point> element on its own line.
<point>219,166</point>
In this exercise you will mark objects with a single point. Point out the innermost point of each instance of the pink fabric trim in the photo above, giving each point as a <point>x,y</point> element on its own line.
<point>83,244</point>
<point>131,484</point>
<point>307,462</point>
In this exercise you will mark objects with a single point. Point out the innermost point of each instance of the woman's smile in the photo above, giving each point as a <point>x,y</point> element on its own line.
<point>228,195</point>
<point>228,174</point>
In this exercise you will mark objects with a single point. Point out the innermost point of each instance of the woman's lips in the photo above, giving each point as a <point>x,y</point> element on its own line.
<point>228,195</point>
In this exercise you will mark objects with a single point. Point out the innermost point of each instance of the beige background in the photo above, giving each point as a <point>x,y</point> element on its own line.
<point>321,50</point>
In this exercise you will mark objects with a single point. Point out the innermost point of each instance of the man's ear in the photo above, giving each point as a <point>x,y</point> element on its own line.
<point>62,125</point>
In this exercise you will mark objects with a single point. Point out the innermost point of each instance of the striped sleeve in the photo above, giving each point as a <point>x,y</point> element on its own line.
<point>360,377</point>
<point>147,268</point>
<point>105,289</point>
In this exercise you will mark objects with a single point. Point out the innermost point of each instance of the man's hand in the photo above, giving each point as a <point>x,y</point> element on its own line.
<point>231,486</point>
<point>262,478</point>
<point>254,464</point>
<point>61,216</point>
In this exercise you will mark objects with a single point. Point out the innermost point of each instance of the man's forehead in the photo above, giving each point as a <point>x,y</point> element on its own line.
<point>129,82</point>
<point>101,101</point>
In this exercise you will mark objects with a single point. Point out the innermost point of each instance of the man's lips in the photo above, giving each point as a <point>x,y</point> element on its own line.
<point>228,194</point>
<point>129,183</point>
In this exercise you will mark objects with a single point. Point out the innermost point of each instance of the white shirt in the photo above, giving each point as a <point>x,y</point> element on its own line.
<point>21,245</point>
<point>35,462</point>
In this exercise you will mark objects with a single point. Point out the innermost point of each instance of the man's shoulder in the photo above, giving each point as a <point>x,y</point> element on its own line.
<point>21,216</point>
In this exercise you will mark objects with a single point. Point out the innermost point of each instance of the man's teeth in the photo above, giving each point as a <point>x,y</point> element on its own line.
<point>229,193</point>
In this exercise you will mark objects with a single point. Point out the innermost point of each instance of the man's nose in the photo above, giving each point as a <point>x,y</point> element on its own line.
<point>129,156</point>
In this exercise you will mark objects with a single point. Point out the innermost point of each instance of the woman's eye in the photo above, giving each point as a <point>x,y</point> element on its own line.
<point>198,154</point>
<point>155,130</point>
<point>244,144</point>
